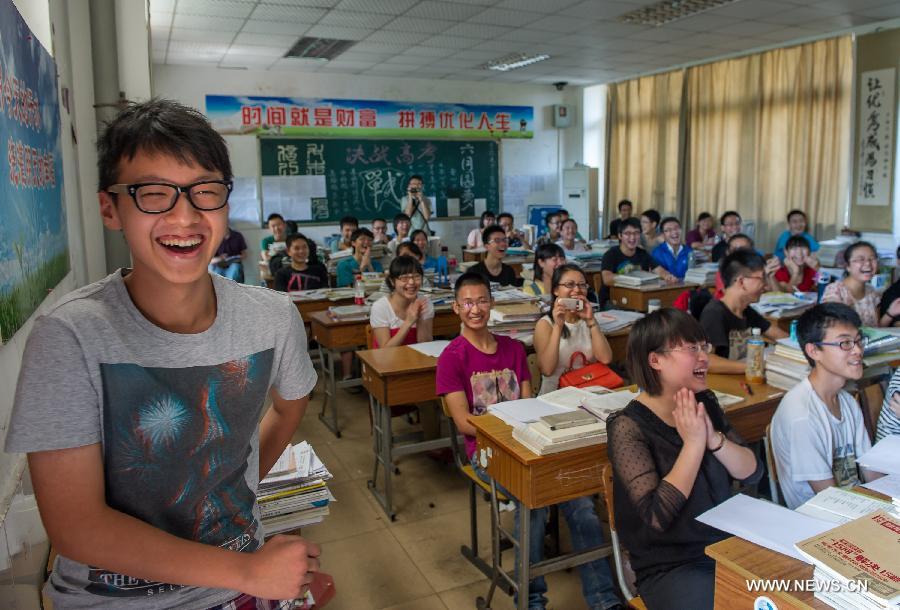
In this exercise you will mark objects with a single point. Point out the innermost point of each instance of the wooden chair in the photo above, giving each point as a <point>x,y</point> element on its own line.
<point>475,483</point>
<point>870,395</point>
<point>774,487</point>
<point>619,558</point>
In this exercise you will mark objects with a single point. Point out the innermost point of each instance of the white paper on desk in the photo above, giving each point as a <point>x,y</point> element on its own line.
<point>430,348</point>
<point>889,485</point>
<point>840,505</point>
<point>452,206</point>
<point>769,525</point>
<point>884,457</point>
<point>525,410</point>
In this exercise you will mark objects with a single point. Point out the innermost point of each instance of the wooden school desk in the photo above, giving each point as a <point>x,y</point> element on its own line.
<point>395,376</point>
<point>749,417</point>
<point>636,299</point>
<point>336,336</point>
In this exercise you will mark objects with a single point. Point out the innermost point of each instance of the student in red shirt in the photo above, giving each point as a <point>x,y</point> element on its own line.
<point>799,269</point>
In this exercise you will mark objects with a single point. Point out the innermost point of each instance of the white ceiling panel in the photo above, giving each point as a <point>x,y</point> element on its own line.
<point>597,9</point>
<point>353,19</point>
<point>387,7</point>
<point>483,31</point>
<point>745,28</point>
<point>397,37</point>
<point>282,28</point>
<point>496,16</point>
<point>256,50</point>
<point>704,22</point>
<point>561,25</point>
<point>449,11</point>
<point>538,6</point>
<point>426,51</point>
<point>377,47</point>
<point>251,61</point>
<point>296,14</point>
<point>409,60</point>
<point>207,22</point>
<point>282,40</point>
<point>181,47</point>
<point>201,35</point>
<point>749,10</point>
<point>452,42</point>
<point>419,26</point>
<point>887,11</point>
<point>222,8</point>
<point>293,63</point>
<point>333,31</point>
<point>305,3</point>
<point>792,16</point>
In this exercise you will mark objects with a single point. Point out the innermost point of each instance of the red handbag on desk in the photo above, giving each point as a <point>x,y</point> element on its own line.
<point>588,375</point>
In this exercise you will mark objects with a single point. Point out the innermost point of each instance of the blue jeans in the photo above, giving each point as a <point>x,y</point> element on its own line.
<point>584,526</point>
<point>234,271</point>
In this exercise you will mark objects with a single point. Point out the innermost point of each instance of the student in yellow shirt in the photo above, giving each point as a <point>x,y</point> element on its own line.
<point>547,258</point>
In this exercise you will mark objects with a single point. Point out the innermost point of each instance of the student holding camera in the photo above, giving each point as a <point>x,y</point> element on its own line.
<point>417,206</point>
<point>570,328</point>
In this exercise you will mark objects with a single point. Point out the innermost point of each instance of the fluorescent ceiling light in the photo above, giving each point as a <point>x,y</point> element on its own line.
<point>670,10</point>
<point>516,60</point>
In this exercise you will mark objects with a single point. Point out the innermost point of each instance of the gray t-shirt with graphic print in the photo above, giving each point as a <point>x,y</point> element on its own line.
<point>177,417</point>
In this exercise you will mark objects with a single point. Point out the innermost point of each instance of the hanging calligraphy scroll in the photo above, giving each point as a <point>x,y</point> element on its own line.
<point>874,155</point>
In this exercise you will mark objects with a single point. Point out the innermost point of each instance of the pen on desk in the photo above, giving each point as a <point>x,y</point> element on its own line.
<point>747,388</point>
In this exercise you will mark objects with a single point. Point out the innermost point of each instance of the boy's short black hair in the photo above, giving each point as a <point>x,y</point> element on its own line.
<point>470,278</point>
<point>294,237</point>
<point>160,126</point>
<point>374,220</point>
<point>412,235</point>
<point>625,202</point>
<point>795,211</point>
<point>703,216</point>
<point>725,216</point>
<point>813,323</point>
<point>652,215</point>
<point>402,265</point>
<point>563,211</point>
<point>667,220</point>
<point>741,236</point>
<point>412,247</point>
<point>313,250</point>
<point>488,231</point>
<point>349,220</point>
<point>738,264</point>
<point>796,241</point>
<point>632,222</point>
<point>663,329</point>
<point>398,218</point>
<point>274,216</point>
<point>415,177</point>
<point>856,246</point>
<point>361,232</point>
<point>550,217</point>
<point>504,215</point>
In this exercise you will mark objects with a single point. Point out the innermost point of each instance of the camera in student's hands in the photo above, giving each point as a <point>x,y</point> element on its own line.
<point>572,304</point>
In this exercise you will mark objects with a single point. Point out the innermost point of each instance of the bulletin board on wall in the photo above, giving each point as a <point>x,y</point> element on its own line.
<point>875,128</point>
<point>320,180</point>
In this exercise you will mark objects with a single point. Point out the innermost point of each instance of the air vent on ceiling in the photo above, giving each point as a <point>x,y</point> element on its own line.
<point>319,48</point>
<point>670,10</point>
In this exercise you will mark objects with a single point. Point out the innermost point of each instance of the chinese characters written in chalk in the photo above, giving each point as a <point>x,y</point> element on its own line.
<point>381,154</point>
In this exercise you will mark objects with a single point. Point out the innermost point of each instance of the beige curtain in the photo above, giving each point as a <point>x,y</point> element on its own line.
<point>771,132</point>
<point>644,122</point>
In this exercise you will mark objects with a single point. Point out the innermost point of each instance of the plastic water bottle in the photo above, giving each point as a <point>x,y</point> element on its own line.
<point>359,290</point>
<point>691,260</point>
<point>756,364</point>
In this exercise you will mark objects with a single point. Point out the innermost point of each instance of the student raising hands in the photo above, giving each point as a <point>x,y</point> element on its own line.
<point>402,317</point>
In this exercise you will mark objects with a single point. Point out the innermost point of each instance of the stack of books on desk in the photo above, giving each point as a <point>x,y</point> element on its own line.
<point>831,251</point>
<point>612,320</point>
<point>513,313</point>
<point>786,366</point>
<point>589,260</point>
<point>346,313</point>
<point>555,433</point>
<point>333,258</point>
<point>518,256</point>
<point>857,564</point>
<point>883,346</point>
<point>703,274</point>
<point>294,493</point>
<point>636,279</point>
<point>781,304</point>
<point>602,245</point>
<point>510,294</point>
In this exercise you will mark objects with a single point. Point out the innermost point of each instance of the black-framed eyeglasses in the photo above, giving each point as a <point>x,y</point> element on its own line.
<point>160,197</point>
<point>847,344</point>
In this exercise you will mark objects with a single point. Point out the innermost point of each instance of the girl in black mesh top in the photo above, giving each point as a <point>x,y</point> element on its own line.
<point>674,456</point>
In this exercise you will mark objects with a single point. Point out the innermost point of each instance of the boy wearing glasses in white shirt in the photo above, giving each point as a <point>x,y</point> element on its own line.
<point>818,431</point>
<point>141,397</point>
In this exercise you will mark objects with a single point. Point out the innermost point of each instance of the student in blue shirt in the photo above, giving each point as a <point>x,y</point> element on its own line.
<point>672,255</point>
<point>797,223</point>
<point>361,241</point>
<point>420,238</point>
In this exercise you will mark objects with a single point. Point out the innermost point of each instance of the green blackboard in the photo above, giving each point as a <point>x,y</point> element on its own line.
<point>367,178</point>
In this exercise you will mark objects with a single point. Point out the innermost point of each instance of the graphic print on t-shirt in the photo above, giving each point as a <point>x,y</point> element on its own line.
<point>176,444</point>
<point>491,387</point>
<point>843,466</point>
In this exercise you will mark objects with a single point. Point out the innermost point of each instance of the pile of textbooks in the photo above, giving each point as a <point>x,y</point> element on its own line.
<point>781,304</point>
<point>703,274</point>
<point>831,251</point>
<point>347,313</point>
<point>786,366</point>
<point>589,260</point>
<point>612,320</point>
<point>636,279</point>
<point>294,493</point>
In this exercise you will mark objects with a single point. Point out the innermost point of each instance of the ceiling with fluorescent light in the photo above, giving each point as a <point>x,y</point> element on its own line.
<point>453,39</point>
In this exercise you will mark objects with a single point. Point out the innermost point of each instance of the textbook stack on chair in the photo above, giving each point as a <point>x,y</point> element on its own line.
<point>636,279</point>
<point>294,493</point>
<point>704,273</point>
<point>856,565</point>
<point>786,366</point>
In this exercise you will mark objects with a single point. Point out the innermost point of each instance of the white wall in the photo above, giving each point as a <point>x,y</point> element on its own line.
<point>543,156</point>
<point>22,540</point>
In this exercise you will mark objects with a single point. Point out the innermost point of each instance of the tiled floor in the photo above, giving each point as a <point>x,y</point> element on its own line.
<point>413,563</point>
